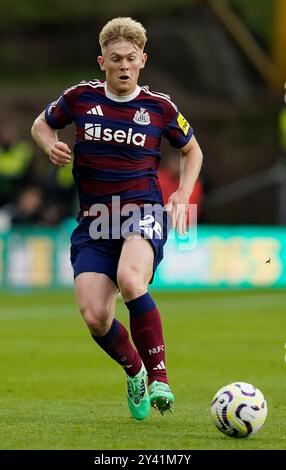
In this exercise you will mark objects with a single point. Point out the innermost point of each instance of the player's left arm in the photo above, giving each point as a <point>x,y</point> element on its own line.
<point>178,202</point>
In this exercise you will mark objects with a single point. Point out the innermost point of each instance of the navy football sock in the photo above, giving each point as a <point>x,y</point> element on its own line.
<point>117,345</point>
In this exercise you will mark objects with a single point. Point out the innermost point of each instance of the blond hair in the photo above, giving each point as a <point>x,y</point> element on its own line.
<point>125,28</point>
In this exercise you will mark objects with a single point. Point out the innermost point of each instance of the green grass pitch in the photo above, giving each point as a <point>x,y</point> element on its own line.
<point>60,391</point>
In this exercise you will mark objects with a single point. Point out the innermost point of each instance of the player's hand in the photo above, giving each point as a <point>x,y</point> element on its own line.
<point>60,154</point>
<point>177,206</point>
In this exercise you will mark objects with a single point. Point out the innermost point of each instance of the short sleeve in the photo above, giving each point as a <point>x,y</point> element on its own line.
<point>58,114</point>
<point>177,131</point>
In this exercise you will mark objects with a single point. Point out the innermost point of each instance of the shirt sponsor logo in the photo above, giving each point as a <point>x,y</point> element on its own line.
<point>183,123</point>
<point>96,132</point>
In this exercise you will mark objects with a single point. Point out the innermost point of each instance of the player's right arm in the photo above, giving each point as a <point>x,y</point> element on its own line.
<point>47,138</point>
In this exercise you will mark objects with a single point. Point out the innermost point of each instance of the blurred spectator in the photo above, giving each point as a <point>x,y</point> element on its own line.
<point>52,214</point>
<point>46,198</point>
<point>27,209</point>
<point>15,160</point>
<point>169,177</point>
<point>60,192</point>
<point>34,206</point>
<point>64,189</point>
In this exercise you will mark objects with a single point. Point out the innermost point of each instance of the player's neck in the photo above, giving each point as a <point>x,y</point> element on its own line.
<point>122,98</point>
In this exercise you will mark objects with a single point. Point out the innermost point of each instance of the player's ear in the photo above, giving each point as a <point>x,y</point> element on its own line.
<point>144,58</point>
<point>100,60</point>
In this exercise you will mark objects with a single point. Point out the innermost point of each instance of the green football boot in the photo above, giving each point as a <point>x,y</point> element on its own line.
<point>137,395</point>
<point>161,397</point>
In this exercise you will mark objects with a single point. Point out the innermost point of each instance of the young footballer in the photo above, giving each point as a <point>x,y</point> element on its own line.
<point>119,127</point>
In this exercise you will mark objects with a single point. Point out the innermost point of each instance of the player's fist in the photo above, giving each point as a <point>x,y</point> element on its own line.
<point>60,154</point>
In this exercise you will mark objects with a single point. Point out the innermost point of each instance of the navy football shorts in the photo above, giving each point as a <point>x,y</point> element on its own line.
<point>91,252</point>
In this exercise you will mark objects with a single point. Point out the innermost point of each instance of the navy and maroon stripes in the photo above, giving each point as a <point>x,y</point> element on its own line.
<point>114,154</point>
<point>117,163</point>
<point>87,186</point>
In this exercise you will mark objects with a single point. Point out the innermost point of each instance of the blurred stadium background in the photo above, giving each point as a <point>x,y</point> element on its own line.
<point>221,290</point>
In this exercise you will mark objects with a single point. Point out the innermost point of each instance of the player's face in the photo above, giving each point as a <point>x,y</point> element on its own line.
<point>122,61</point>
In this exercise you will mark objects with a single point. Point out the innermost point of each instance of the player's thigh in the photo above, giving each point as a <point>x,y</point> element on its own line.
<point>136,259</point>
<point>97,293</point>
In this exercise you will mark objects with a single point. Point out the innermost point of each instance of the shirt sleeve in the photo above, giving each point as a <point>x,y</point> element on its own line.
<point>58,114</point>
<point>177,130</point>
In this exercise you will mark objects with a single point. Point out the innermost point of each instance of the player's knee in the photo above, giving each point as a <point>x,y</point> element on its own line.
<point>97,320</point>
<point>131,283</point>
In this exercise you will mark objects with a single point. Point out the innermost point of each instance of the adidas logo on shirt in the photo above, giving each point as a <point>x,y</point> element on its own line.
<point>97,110</point>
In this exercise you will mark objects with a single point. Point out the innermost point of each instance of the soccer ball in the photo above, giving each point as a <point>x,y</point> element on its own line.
<point>239,409</point>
